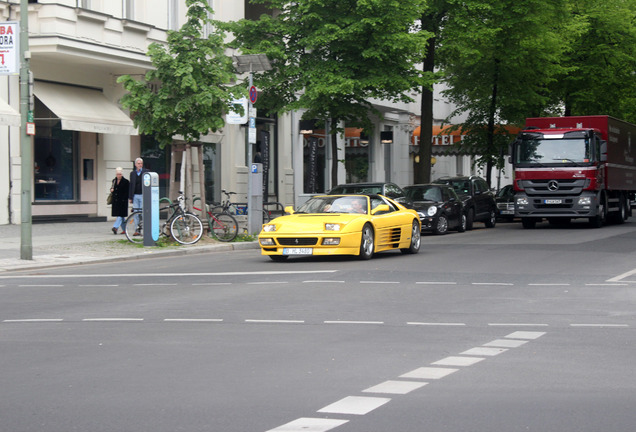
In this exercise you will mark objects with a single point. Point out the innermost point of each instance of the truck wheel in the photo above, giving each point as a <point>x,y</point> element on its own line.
<point>622,210</point>
<point>599,220</point>
<point>528,223</point>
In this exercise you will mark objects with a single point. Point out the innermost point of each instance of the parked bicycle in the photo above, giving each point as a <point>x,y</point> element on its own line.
<point>235,208</point>
<point>223,226</point>
<point>183,226</point>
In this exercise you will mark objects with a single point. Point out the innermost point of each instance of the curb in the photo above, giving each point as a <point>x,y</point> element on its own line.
<point>61,261</point>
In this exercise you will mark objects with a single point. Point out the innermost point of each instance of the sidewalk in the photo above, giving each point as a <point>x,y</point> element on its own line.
<point>69,243</point>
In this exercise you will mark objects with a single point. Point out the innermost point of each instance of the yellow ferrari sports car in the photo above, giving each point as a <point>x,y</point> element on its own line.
<point>342,225</point>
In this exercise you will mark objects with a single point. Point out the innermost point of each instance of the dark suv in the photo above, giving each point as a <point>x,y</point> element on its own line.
<point>388,189</point>
<point>479,202</point>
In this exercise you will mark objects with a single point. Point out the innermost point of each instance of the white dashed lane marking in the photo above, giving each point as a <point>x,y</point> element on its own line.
<point>458,361</point>
<point>508,343</point>
<point>482,351</point>
<point>429,373</point>
<point>525,335</point>
<point>395,387</point>
<point>361,405</point>
<point>434,324</point>
<point>257,321</point>
<point>307,424</point>
<point>358,405</point>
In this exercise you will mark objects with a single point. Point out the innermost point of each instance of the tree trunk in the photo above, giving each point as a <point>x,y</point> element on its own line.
<point>422,170</point>
<point>490,133</point>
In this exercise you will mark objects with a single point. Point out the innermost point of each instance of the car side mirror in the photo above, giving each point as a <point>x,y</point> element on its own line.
<point>382,208</point>
<point>289,210</point>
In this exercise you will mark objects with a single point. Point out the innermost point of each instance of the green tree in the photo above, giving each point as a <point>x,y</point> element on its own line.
<point>191,80</point>
<point>331,57</point>
<point>601,62</point>
<point>498,59</point>
<point>431,21</point>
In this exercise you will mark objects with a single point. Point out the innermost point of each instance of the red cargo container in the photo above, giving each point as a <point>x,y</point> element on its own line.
<point>574,167</point>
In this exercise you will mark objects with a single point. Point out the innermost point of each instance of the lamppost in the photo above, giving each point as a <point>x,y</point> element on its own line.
<point>26,244</point>
<point>251,63</point>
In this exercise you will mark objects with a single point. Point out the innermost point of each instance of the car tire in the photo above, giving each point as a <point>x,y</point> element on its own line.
<point>441,227</point>
<point>416,240</point>
<point>492,219</point>
<point>278,258</point>
<point>462,223</point>
<point>367,242</point>
<point>470,215</point>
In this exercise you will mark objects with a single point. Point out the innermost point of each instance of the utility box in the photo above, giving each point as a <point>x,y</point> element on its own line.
<point>150,190</point>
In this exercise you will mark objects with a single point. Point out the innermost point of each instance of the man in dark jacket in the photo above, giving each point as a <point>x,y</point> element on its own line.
<point>135,191</point>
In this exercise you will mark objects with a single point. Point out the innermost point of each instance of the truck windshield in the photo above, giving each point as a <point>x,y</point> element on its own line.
<point>553,151</point>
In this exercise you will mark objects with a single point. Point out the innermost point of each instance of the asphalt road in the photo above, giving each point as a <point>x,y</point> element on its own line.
<point>499,329</point>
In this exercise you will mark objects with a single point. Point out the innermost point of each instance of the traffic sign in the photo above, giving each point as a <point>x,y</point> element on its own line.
<point>253,94</point>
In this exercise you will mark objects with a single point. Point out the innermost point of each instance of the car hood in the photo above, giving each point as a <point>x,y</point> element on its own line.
<point>312,223</point>
<point>425,205</point>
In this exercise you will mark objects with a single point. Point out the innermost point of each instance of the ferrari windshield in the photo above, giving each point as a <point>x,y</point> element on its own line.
<point>335,204</point>
<point>553,151</point>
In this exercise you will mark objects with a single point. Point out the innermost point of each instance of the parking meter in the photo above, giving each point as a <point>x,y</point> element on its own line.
<point>255,206</point>
<point>150,190</point>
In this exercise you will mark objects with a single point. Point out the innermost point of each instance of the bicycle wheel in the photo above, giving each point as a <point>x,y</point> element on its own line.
<point>186,228</point>
<point>134,225</point>
<point>224,227</point>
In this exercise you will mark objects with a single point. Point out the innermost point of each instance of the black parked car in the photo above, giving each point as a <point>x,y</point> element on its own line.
<point>506,203</point>
<point>388,189</point>
<point>479,202</point>
<point>439,207</point>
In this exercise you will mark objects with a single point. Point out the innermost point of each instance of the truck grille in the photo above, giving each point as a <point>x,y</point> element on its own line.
<point>547,187</point>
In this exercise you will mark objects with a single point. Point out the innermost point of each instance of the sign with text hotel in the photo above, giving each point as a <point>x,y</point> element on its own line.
<point>9,48</point>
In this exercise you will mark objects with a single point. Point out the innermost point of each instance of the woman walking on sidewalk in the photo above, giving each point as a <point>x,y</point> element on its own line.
<point>119,190</point>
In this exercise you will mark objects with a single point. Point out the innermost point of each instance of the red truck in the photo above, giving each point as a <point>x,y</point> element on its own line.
<point>574,167</point>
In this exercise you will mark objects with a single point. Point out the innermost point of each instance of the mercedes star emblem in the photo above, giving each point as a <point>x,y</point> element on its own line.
<point>553,185</point>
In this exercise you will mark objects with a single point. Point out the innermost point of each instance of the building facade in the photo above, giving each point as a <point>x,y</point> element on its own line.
<point>78,49</point>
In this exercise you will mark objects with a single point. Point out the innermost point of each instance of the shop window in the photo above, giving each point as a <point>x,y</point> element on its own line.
<point>54,156</point>
<point>356,160</point>
<point>314,160</point>
<point>211,163</point>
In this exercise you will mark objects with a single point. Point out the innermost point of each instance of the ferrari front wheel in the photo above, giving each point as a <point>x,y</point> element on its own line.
<point>366,243</point>
<point>415,240</point>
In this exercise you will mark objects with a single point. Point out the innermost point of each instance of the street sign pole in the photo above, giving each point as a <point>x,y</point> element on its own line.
<point>26,154</point>
<point>248,132</point>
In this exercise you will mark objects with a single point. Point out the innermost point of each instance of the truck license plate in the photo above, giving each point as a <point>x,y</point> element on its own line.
<point>298,251</point>
<point>552,201</point>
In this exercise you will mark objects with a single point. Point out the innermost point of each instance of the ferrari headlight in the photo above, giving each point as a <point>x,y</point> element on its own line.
<point>267,242</point>
<point>332,241</point>
<point>431,211</point>
<point>269,228</point>
<point>332,227</point>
